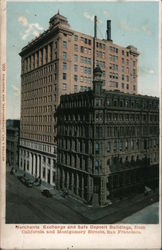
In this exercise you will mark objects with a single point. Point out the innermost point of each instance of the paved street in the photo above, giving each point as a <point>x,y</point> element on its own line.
<point>28,205</point>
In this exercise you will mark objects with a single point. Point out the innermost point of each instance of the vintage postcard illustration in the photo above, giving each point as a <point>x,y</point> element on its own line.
<point>80,125</point>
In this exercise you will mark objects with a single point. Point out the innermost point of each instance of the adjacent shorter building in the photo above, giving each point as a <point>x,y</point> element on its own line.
<point>108,143</point>
<point>12,142</point>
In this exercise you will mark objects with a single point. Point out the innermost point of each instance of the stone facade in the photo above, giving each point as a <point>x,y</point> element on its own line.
<point>61,61</point>
<point>12,142</point>
<point>108,143</point>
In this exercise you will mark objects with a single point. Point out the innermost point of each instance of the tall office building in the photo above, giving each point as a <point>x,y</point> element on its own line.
<point>107,144</point>
<point>57,62</point>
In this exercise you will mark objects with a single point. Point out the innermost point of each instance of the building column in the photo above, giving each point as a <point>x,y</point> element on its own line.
<point>46,171</point>
<point>58,178</point>
<point>20,155</point>
<point>82,188</point>
<point>38,166</point>
<point>72,182</point>
<point>63,179</point>
<point>89,188</point>
<point>41,174</point>
<point>103,191</point>
<point>51,175</point>
<point>34,165</point>
<point>30,163</point>
<point>77,184</point>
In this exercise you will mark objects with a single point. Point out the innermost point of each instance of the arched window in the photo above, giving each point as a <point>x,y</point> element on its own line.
<point>97,148</point>
<point>97,164</point>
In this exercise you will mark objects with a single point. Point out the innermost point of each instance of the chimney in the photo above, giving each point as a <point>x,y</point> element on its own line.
<point>95,26</point>
<point>108,31</point>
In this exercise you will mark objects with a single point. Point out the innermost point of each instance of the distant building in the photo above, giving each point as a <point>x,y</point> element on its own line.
<point>57,62</point>
<point>108,143</point>
<point>12,142</point>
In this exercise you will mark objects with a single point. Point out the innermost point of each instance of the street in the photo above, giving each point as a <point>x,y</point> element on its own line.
<point>28,205</point>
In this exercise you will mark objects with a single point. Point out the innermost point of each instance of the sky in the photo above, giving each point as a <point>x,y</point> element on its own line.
<point>133,23</point>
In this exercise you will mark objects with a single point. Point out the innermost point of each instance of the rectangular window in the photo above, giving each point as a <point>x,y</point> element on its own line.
<point>64,44</point>
<point>81,59</point>
<point>75,47</point>
<point>108,147</point>
<point>85,40</point>
<point>115,145</point>
<point>97,148</point>
<point>82,39</point>
<point>64,55</point>
<point>121,145</point>
<point>81,49</point>
<point>64,86</point>
<point>81,88</point>
<point>89,61</point>
<point>89,42</point>
<point>75,58</point>
<point>64,66</point>
<point>126,144</point>
<point>76,38</point>
<point>81,78</point>
<point>64,76</point>
<point>75,78</point>
<point>75,67</point>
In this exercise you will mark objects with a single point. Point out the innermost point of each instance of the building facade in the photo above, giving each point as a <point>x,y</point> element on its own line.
<point>57,62</point>
<point>12,142</point>
<point>108,143</point>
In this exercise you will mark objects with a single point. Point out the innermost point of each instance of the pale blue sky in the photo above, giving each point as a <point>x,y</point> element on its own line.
<point>133,23</point>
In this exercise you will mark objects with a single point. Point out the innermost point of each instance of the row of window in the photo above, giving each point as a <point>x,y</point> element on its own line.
<point>37,118</point>
<point>100,54</point>
<point>38,109</point>
<point>38,73</point>
<point>38,137</point>
<point>38,128</point>
<point>83,40</point>
<point>36,92</point>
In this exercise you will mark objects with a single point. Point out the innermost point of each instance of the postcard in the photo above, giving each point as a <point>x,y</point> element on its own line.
<point>80,124</point>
